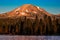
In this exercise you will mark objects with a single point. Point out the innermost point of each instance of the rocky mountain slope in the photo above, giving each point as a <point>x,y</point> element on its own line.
<point>29,20</point>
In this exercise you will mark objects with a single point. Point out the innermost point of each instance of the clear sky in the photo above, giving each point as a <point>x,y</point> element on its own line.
<point>51,6</point>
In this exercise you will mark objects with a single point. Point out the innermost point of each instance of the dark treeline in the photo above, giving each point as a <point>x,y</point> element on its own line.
<point>47,25</point>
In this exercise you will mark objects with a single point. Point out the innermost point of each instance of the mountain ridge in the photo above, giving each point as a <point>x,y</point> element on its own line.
<point>26,8</point>
<point>29,20</point>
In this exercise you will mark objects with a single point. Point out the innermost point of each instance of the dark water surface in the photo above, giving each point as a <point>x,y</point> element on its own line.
<point>8,37</point>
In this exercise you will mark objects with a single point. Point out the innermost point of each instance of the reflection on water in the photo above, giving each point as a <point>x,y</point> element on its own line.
<point>2,37</point>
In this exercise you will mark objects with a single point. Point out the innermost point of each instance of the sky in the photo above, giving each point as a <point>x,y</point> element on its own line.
<point>51,6</point>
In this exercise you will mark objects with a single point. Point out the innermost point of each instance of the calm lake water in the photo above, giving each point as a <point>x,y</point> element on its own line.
<point>8,37</point>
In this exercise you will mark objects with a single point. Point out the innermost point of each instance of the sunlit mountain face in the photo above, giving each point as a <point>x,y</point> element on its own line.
<point>29,20</point>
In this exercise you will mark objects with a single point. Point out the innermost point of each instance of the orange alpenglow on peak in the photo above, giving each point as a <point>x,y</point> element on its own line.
<point>27,10</point>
